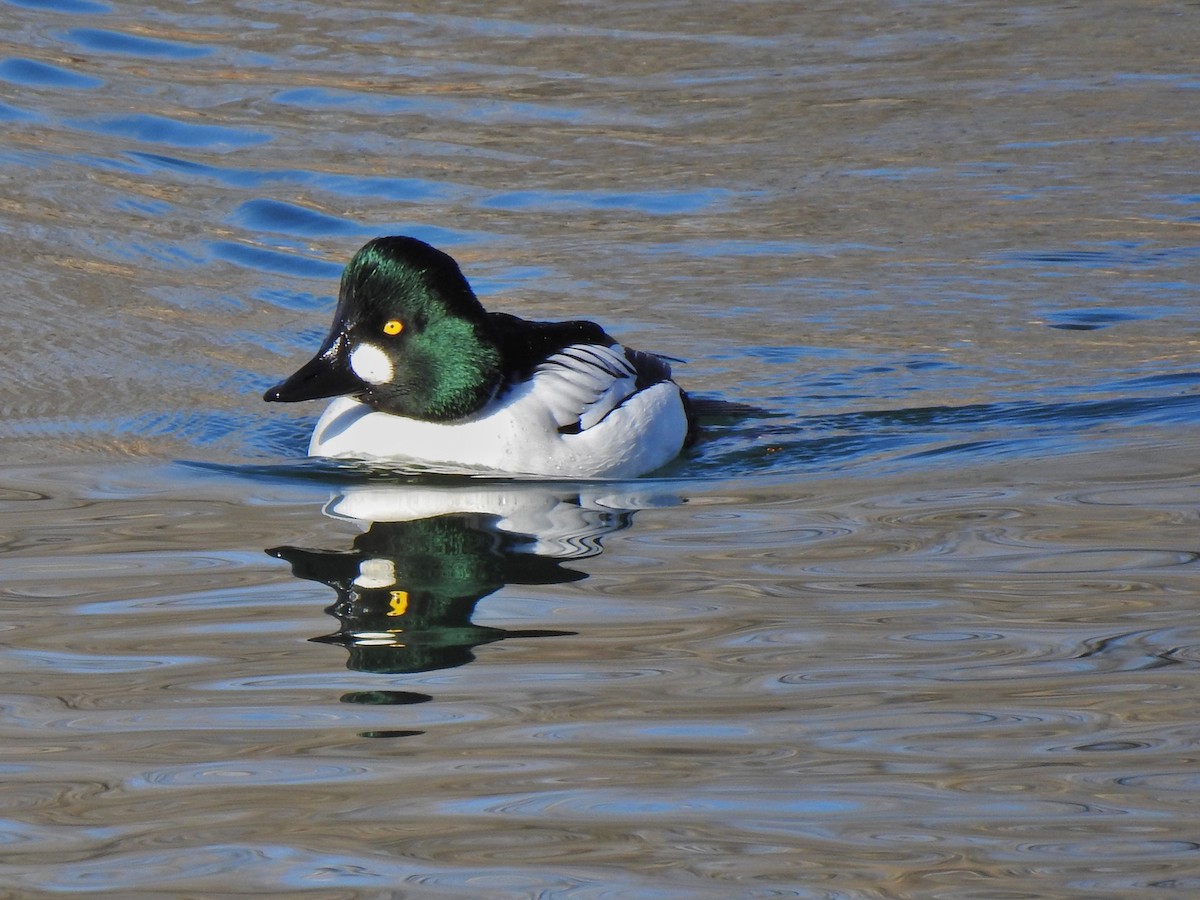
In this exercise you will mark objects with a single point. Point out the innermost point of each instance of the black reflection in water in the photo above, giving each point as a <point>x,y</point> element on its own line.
<point>408,586</point>
<point>407,590</point>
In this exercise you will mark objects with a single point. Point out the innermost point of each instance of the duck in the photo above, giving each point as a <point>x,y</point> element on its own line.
<point>422,375</point>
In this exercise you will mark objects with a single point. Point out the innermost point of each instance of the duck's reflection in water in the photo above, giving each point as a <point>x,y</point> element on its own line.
<point>408,586</point>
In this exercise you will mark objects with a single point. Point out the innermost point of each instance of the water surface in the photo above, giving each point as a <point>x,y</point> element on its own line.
<point>920,626</point>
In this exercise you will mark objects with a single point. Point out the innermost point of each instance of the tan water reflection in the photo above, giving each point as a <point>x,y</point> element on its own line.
<point>877,682</point>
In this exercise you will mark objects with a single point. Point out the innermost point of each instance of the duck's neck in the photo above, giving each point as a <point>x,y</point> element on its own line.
<point>467,374</point>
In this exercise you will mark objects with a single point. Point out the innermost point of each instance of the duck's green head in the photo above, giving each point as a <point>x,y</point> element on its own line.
<point>409,338</point>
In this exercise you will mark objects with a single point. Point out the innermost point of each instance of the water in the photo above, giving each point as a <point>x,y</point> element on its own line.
<point>921,625</point>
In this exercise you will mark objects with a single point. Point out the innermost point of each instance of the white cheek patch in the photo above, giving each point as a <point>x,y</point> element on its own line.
<point>371,364</point>
<point>376,573</point>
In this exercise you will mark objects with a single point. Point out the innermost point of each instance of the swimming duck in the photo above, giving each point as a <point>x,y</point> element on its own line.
<point>424,374</point>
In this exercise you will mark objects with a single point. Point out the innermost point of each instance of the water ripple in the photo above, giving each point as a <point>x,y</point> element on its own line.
<point>473,110</point>
<point>39,74</point>
<point>80,7</point>
<point>229,773</point>
<point>271,260</point>
<point>104,41</point>
<point>157,129</point>
<point>289,218</point>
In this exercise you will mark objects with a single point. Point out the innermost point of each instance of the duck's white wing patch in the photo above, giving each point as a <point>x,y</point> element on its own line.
<point>583,383</point>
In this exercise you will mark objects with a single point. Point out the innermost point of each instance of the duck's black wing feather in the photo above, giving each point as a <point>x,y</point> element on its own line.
<point>525,345</point>
<point>586,373</point>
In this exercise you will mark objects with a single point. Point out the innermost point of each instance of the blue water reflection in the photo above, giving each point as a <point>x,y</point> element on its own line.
<point>77,7</point>
<point>118,42</point>
<point>270,260</point>
<point>156,129</point>
<point>16,114</point>
<point>39,74</point>
<point>291,218</point>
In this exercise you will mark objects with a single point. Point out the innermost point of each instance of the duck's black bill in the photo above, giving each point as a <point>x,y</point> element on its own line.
<point>327,374</point>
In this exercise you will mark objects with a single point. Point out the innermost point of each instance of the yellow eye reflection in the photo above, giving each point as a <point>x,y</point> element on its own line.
<point>398,605</point>
<point>393,327</point>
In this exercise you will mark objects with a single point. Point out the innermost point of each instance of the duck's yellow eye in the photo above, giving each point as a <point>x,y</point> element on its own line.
<point>393,327</point>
